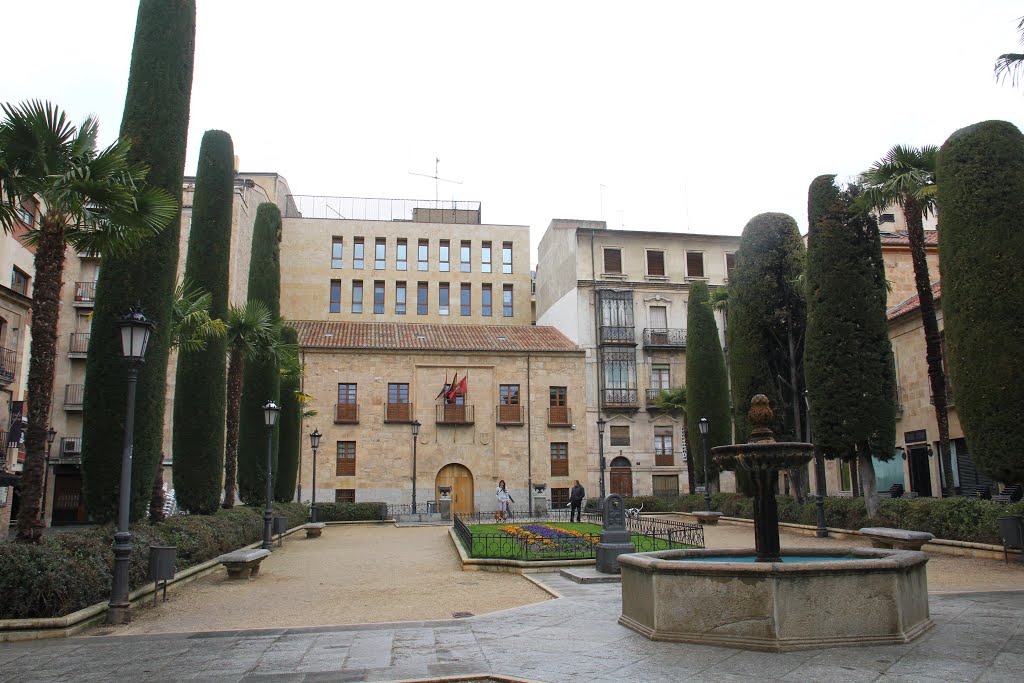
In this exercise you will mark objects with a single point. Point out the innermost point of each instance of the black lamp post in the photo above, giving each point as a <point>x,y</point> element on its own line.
<point>51,434</point>
<point>314,441</point>
<point>703,424</point>
<point>270,413</point>
<point>601,422</point>
<point>135,332</point>
<point>415,435</point>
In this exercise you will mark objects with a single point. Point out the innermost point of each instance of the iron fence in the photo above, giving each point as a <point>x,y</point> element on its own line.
<point>661,337</point>
<point>427,508</point>
<point>378,209</point>
<point>8,364</point>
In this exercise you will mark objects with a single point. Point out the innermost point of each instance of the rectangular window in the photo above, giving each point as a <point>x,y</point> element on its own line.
<point>399,298</point>
<point>660,377</point>
<point>559,459</point>
<point>357,296</point>
<point>485,257</point>
<point>694,264</point>
<point>466,299</point>
<point>442,298</point>
<point>485,300</point>
<point>506,257</point>
<point>380,254</point>
<point>422,304</point>
<point>656,263</point>
<point>557,397</point>
<point>337,251</point>
<point>378,296</point>
<point>402,255</point>
<point>346,459</point>
<point>345,496</point>
<point>358,253</point>
<point>19,281</point>
<point>346,394</point>
<point>558,406</point>
<point>335,296</point>
<point>465,264</point>
<point>398,392</point>
<point>508,394</point>
<point>423,255</point>
<point>613,261</point>
<point>444,257</point>
<point>663,454</point>
<point>559,498</point>
<point>730,263</point>
<point>506,300</point>
<point>659,318</point>
<point>665,485</point>
<point>619,435</point>
<point>27,216</point>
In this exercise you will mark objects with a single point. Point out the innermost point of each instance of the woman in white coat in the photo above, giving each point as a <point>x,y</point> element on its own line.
<point>503,499</point>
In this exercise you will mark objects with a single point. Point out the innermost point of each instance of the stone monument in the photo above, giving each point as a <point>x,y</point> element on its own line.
<point>615,538</point>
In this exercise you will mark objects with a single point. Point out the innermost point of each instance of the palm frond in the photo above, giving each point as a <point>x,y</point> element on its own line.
<point>191,325</point>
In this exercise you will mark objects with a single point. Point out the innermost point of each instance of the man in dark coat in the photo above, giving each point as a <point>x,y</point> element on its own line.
<point>576,496</point>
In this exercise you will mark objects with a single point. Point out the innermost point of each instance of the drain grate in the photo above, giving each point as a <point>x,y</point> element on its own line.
<point>461,615</point>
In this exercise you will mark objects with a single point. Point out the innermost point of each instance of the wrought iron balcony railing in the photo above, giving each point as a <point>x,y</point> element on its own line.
<point>619,398</point>
<point>79,345</point>
<point>559,416</point>
<point>617,335</point>
<point>398,412</point>
<point>71,447</point>
<point>8,363</point>
<point>510,415</point>
<point>73,396</point>
<point>454,414</point>
<point>664,338</point>
<point>346,413</point>
<point>85,293</point>
<point>652,397</point>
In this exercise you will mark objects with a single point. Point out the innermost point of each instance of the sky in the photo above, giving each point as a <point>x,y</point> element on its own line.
<point>665,116</point>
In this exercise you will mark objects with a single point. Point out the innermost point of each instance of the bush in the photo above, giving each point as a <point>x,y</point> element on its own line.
<point>348,512</point>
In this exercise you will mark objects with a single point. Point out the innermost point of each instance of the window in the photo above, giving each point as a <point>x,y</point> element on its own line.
<point>660,377</point>
<point>27,216</point>
<point>663,447</point>
<point>887,218</point>
<point>337,250</point>
<point>506,257</point>
<point>19,281</point>
<point>423,254</point>
<point>619,435</point>
<point>559,498</point>
<point>398,408</point>
<point>665,485</point>
<point>619,377</point>
<point>730,263</point>
<point>506,300</point>
<point>656,263</point>
<point>558,406</point>
<point>357,296</point>
<point>380,254</point>
<point>444,257</point>
<point>378,296</point>
<point>485,300</point>
<point>694,264</point>
<point>346,459</point>
<point>508,394</point>
<point>466,299</point>
<point>399,298</point>
<point>357,253</point>
<point>557,396</point>
<point>402,255</point>
<point>335,296</point>
<point>442,298</point>
<point>613,261</point>
<point>398,392</point>
<point>346,394</point>
<point>347,410</point>
<point>421,298</point>
<point>344,495</point>
<point>560,460</point>
<point>485,257</point>
<point>659,317</point>
<point>465,265</point>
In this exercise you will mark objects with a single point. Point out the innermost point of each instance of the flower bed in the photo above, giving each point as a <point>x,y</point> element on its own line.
<point>545,537</point>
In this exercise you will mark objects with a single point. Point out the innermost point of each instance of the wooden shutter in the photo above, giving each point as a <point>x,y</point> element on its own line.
<point>655,263</point>
<point>613,260</point>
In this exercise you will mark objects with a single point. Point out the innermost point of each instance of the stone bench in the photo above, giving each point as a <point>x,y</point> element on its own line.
<point>705,517</point>
<point>242,564</point>
<point>314,529</point>
<point>897,539</point>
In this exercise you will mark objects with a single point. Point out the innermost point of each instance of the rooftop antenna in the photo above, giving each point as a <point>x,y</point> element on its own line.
<point>436,178</point>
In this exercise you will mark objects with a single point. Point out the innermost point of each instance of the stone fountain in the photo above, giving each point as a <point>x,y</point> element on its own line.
<point>767,598</point>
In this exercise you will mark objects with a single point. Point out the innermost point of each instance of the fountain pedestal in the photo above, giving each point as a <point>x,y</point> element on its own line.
<point>615,538</point>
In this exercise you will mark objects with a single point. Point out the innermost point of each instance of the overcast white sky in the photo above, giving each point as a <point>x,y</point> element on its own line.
<point>692,116</point>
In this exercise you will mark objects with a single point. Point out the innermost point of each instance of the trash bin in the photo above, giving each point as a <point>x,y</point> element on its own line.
<point>161,566</point>
<point>280,525</point>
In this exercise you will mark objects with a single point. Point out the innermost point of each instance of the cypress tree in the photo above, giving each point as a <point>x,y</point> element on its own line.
<point>199,399</point>
<point>981,245</point>
<point>291,423</point>
<point>848,360</point>
<point>262,380</point>
<point>707,386</point>
<point>155,122</point>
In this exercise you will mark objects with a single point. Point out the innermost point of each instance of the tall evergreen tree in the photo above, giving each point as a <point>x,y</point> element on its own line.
<point>198,427</point>
<point>290,419</point>
<point>155,122</point>
<point>707,386</point>
<point>262,379</point>
<point>981,244</point>
<point>848,359</point>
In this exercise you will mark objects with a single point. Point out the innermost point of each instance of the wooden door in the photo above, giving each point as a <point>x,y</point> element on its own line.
<point>68,501</point>
<point>461,480</point>
<point>621,477</point>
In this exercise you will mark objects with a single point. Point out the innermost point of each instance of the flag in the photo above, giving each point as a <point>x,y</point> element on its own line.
<point>444,387</point>
<point>458,389</point>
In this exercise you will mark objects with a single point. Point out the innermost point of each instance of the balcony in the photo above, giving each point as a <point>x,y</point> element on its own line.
<point>663,457</point>
<point>8,364</point>
<point>510,415</point>
<point>618,335</point>
<point>89,254</point>
<point>652,397</point>
<point>71,448</point>
<point>664,338</point>
<point>85,294</point>
<point>398,412</point>
<point>454,414</point>
<point>79,346</point>
<point>73,394</point>
<point>559,416</point>
<point>619,398</point>
<point>346,414</point>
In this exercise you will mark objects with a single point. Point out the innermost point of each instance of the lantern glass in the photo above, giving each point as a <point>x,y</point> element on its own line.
<point>270,412</point>
<point>135,332</point>
<point>600,426</point>
<point>314,439</point>
<point>51,434</point>
<point>415,428</point>
<point>703,424</point>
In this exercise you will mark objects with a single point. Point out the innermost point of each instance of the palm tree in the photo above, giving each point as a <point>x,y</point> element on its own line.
<point>906,176</point>
<point>191,324</point>
<point>1011,63</point>
<point>91,201</point>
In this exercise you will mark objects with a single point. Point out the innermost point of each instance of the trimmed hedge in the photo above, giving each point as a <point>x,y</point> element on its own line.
<point>348,512</point>
<point>69,571</point>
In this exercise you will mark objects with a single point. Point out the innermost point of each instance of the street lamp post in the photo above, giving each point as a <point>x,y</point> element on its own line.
<point>415,435</point>
<point>601,422</point>
<point>703,424</point>
<point>270,413</point>
<point>314,441</point>
<point>135,332</point>
<point>51,434</point>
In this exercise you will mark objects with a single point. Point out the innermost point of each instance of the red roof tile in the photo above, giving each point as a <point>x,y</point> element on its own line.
<point>895,239</point>
<point>913,303</point>
<point>319,334</point>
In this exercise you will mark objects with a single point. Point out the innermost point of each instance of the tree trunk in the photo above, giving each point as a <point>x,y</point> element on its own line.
<point>156,502</point>
<point>797,475</point>
<point>49,266</point>
<point>236,371</point>
<point>854,478</point>
<point>932,339</point>
<point>867,479</point>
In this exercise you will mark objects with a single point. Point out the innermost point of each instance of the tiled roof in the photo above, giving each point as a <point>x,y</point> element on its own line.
<point>318,334</point>
<point>896,239</point>
<point>913,303</point>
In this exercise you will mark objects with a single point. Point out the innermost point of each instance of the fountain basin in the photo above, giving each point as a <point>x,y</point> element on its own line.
<point>845,596</point>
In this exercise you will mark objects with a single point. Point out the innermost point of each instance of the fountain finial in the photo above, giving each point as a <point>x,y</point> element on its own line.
<point>761,418</point>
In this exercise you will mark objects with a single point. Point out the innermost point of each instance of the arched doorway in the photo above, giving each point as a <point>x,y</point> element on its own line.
<point>621,477</point>
<point>461,480</point>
